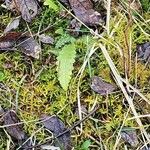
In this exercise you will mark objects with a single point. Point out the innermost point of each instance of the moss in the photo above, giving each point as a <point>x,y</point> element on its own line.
<point>40,91</point>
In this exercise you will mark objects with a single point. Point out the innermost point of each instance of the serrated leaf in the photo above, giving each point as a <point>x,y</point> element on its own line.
<point>51,4</point>
<point>65,62</point>
<point>65,39</point>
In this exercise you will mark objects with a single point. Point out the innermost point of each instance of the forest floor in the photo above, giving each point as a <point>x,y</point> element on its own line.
<point>60,80</point>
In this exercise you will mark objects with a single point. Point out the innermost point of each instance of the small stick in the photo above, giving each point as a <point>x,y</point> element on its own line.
<point>69,129</point>
<point>78,122</point>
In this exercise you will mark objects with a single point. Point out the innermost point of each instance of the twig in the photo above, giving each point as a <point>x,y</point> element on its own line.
<point>69,129</point>
<point>78,122</point>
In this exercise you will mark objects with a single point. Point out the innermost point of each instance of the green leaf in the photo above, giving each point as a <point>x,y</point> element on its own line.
<point>85,145</point>
<point>65,39</point>
<point>60,31</point>
<point>2,76</point>
<point>52,4</point>
<point>65,62</point>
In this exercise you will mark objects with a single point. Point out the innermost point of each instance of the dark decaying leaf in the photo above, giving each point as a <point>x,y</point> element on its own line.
<point>14,130</point>
<point>129,136</point>
<point>56,126</point>
<point>8,41</point>
<point>84,11</point>
<point>102,87</point>
<point>27,8</point>
<point>143,51</point>
<point>27,44</point>
<point>46,39</point>
<point>13,24</point>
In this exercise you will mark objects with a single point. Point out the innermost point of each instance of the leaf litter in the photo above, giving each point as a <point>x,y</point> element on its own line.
<point>13,40</point>
<point>14,23</point>
<point>56,126</point>
<point>46,39</point>
<point>84,10</point>
<point>17,40</point>
<point>129,136</point>
<point>29,46</point>
<point>13,127</point>
<point>8,41</point>
<point>100,86</point>
<point>15,131</point>
<point>27,8</point>
<point>143,51</point>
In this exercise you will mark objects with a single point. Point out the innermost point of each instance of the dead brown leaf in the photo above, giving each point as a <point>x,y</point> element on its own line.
<point>27,8</point>
<point>102,87</point>
<point>46,39</point>
<point>14,23</point>
<point>55,125</point>
<point>84,11</point>
<point>29,46</point>
<point>143,51</point>
<point>15,130</point>
<point>129,136</point>
<point>12,127</point>
<point>8,41</point>
<point>14,40</point>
